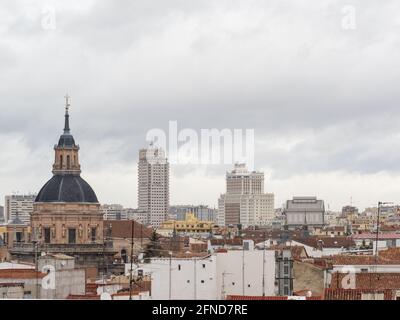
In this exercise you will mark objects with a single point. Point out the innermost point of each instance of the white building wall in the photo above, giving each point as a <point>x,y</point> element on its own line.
<point>21,204</point>
<point>113,211</point>
<point>257,210</point>
<point>190,278</point>
<point>213,277</point>
<point>231,264</point>
<point>221,211</point>
<point>247,189</point>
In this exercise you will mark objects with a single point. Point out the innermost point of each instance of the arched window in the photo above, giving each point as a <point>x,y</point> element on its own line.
<point>68,163</point>
<point>61,161</point>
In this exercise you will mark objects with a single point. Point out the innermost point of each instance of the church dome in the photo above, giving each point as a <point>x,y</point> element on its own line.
<point>66,185</point>
<point>66,188</point>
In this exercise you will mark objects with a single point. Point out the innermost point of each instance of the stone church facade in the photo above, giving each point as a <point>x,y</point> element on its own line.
<point>66,216</point>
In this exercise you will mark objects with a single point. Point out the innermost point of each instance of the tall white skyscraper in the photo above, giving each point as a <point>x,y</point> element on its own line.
<point>245,202</point>
<point>19,205</point>
<point>153,189</point>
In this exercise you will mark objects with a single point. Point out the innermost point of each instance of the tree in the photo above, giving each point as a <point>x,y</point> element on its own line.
<point>153,248</point>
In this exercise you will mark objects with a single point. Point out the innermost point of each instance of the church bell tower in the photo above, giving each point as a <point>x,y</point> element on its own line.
<point>66,151</point>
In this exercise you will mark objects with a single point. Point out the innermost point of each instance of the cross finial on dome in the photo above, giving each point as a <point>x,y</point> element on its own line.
<point>67,104</point>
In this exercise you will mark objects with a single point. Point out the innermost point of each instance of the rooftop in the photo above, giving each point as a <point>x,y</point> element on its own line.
<point>327,242</point>
<point>354,294</point>
<point>388,256</point>
<point>21,274</point>
<point>374,281</point>
<point>123,229</point>
<point>229,242</point>
<point>381,236</point>
<point>12,265</point>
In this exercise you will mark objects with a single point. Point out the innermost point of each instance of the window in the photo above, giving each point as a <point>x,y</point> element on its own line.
<point>286,269</point>
<point>93,234</point>
<point>286,291</point>
<point>188,281</point>
<point>204,265</point>
<point>18,236</point>
<point>248,286</point>
<point>46,235</point>
<point>124,256</point>
<point>179,267</point>
<point>71,236</point>
<point>202,281</point>
<point>233,283</point>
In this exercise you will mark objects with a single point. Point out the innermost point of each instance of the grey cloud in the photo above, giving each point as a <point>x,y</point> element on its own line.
<point>284,68</point>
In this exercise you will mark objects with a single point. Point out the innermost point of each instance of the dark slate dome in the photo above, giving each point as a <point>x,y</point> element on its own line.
<point>66,140</point>
<point>66,188</point>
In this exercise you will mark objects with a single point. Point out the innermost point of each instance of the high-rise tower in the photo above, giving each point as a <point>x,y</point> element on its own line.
<point>245,202</point>
<point>153,189</point>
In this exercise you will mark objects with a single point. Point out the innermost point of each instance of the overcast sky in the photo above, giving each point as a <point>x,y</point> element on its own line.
<point>320,89</point>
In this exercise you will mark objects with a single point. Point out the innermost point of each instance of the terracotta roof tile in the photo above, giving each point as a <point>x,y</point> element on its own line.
<point>21,274</point>
<point>123,229</point>
<point>229,242</point>
<point>11,284</point>
<point>369,280</point>
<point>354,294</point>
